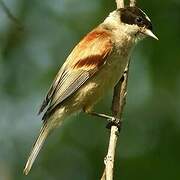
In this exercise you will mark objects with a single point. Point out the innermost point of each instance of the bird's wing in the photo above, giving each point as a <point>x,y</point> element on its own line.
<point>85,60</point>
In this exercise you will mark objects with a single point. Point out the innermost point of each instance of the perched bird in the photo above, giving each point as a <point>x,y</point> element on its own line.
<point>93,68</point>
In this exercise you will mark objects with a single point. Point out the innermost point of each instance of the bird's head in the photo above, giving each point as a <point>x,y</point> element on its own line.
<point>133,22</point>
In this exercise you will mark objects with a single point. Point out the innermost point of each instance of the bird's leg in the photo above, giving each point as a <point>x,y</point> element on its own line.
<point>112,121</point>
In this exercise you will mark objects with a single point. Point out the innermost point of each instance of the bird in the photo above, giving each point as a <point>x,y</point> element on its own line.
<point>93,68</point>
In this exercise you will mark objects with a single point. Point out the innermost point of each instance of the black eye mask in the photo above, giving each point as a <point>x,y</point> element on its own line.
<point>134,15</point>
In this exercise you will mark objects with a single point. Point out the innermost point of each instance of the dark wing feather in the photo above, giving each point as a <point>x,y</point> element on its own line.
<point>51,90</point>
<point>72,82</point>
<point>79,67</point>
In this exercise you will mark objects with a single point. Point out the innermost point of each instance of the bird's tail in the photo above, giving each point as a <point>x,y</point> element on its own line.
<point>44,131</point>
<point>49,124</point>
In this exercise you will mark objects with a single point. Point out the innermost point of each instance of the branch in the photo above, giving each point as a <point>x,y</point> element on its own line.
<point>119,3</point>
<point>132,3</point>
<point>118,104</point>
<point>11,16</point>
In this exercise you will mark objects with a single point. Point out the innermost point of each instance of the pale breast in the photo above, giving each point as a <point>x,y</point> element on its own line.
<point>104,80</point>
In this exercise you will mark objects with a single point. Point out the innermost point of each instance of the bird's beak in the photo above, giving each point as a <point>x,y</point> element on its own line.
<point>149,33</point>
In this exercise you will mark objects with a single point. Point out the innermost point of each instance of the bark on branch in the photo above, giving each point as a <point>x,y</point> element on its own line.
<point>118,103</point>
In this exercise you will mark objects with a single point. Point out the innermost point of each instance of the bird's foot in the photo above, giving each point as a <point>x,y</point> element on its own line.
<point>113,121</point>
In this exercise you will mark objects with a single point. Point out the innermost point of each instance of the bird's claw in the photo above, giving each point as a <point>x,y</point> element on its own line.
<point>114,122</point>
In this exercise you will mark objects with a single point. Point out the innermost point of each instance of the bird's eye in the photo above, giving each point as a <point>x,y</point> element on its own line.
<point>138,20</point>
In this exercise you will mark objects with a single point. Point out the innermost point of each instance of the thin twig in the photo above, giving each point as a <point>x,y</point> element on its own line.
<point>119,3</point>
<point>104,175</point>
<point>132,3</point>
<point>11,16</point>
<point>109,160</point>
<point>119,99</point>
<point>118,104</point>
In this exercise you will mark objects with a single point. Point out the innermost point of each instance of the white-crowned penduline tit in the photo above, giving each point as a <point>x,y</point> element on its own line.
<point>93,68</point>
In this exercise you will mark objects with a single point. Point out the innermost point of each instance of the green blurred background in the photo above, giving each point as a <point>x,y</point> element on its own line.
<point>149,144</point>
